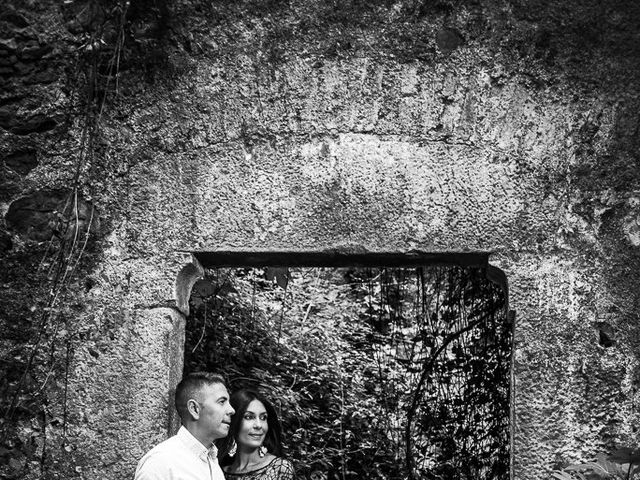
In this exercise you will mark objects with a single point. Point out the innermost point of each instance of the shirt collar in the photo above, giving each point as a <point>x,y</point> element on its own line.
<point>194,445</point>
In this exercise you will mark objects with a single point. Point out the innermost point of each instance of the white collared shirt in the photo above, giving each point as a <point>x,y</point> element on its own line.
<point>181,457</point>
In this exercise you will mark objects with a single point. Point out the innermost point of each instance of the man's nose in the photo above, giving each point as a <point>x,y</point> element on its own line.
<point>231,411</point>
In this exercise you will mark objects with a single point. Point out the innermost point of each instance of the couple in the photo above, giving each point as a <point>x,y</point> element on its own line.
<point>245,427</point>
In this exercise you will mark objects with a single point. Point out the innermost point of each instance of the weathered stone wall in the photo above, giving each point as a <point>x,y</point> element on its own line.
<point>168,126</point>
<point>576,388</point>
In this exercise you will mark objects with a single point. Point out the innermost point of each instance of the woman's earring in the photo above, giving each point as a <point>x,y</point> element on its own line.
<point>262,451</point>
<point>233,449</point>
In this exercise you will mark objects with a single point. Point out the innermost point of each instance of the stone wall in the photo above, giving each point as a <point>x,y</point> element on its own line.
<point>132,133</point>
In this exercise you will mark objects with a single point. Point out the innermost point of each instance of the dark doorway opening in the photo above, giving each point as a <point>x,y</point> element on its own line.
<point>395,372</point>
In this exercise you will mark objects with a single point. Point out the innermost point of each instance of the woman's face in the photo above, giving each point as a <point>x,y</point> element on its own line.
<point>253,427</point>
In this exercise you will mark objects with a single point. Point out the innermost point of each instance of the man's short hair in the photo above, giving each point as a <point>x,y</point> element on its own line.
<point>190,386</point>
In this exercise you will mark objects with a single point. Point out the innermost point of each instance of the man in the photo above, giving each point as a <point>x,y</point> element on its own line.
<point>202,401</point>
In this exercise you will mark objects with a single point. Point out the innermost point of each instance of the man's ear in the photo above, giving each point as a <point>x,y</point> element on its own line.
<point>193,407</point>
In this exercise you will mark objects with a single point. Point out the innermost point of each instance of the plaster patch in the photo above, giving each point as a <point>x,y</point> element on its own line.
<point>631,227</point>
<point>409,80</point>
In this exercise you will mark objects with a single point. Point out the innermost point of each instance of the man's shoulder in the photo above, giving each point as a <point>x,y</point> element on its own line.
<point>161,454</point>
<point>168,444</point>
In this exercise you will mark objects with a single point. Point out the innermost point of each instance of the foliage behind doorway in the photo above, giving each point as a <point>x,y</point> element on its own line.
<point>387,373</point>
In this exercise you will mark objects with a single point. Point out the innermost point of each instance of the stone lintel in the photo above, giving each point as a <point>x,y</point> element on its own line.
<point>339,257</point>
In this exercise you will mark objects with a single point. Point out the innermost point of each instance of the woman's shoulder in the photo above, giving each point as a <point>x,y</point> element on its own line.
<point>280,461</point>
<point>270,462</point>
<point>283,467</point>
<point>277,463</point>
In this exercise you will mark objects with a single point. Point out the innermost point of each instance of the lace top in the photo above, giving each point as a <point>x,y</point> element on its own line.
<point>276,469</point>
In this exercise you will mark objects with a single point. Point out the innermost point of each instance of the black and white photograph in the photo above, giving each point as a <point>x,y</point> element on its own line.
<point>319,239</point>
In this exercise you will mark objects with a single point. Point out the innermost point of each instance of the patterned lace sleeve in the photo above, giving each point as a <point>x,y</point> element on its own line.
<point>283,470</point>
<point>277,469</point>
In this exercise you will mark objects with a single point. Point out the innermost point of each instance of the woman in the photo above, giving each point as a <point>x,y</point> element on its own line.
<point>252,450</point>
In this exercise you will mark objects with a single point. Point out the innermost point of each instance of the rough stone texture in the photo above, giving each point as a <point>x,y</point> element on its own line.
<point>145,355</point>
<point>574,397</point>
<point>507,127</point>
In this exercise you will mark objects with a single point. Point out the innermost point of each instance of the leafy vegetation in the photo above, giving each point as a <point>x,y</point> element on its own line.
<point>377,373</point>
<point>621,464</point>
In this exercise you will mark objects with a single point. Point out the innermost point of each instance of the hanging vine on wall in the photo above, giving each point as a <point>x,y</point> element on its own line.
<point>49,266</point>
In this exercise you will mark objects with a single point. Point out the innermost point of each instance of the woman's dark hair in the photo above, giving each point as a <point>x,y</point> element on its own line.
<point>240,401</point>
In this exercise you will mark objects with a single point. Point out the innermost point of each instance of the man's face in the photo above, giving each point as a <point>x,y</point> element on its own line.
<point>215,411</point>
